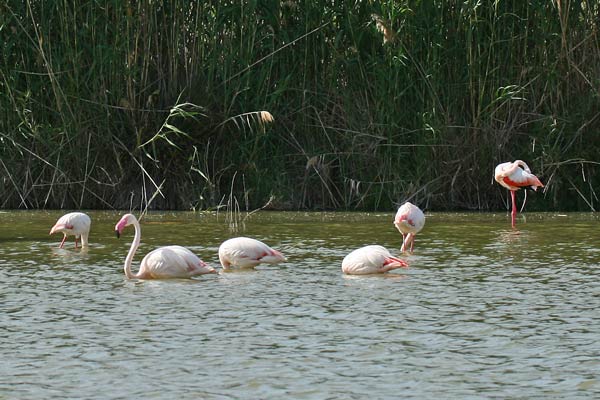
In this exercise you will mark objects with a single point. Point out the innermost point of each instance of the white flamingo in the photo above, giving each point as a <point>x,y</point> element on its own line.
<point>513,176</point>
<point>409,221</point>
<point>162,263</point>
<point>243,252</point>
<point>372,259</point>
<point>75,223</point>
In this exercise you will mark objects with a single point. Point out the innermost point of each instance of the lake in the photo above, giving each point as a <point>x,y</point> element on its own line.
<point>481,312</point>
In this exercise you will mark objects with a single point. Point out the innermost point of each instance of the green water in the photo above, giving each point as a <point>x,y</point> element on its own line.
<point>481,312</point>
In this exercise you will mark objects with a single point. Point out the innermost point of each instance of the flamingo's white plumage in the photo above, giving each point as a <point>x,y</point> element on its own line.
<point>409,220</point>
<point>243,252</point>
<point>162,263</point>
<point>372,259</point>
<point>513,176</point>
<point>75,223</point>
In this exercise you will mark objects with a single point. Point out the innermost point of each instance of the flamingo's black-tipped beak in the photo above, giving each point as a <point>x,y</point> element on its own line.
<point>117,233</point>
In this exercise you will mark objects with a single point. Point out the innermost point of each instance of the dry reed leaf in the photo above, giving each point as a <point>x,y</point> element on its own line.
<point>383,26</point>
<point>124,103</point>
<point>315,162</point>
<point>292,5</point>
<point>151,101</point>
<point>266,117</point>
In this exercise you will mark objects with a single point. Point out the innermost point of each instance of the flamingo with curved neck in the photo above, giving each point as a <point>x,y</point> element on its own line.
<point>243,252</point>
<point>371,259</point>
<point>409,221</point>
<point>513,176</point>
<point>162,263</point>
<point>76,224</point>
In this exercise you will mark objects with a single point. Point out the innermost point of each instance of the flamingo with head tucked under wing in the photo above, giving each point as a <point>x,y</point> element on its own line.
<point>75,223</point>
<point>372,259</point>
<point>162,263</point>
<point>513,176</point>
<point>409,221</point>
<point>243,252</point>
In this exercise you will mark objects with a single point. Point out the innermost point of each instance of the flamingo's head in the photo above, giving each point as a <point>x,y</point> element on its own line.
<point>403,218</point>
<point>125,220</point>
<point>279,257</point>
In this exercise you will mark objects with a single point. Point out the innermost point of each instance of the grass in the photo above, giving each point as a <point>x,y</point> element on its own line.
<point>296,105</point>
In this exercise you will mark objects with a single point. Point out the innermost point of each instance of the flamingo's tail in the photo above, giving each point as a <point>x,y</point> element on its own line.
<point>534,182</point>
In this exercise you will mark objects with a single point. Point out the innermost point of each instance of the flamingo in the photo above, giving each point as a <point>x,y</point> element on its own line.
<point>513,176</point>
<point>409,221</point>
<point>162,263</point>
<point>243,252</point>
<point>75,223</point>
<point>371,260</point>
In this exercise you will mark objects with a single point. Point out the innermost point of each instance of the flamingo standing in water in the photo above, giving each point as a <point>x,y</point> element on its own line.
<point>162,263</point>
<point>371,260</point>
<point>513,176</point>
<point>409,221</point>
<point>243,252</point>
<point>75,223</point>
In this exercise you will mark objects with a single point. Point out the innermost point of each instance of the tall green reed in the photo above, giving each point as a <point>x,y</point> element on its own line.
<point>158,104</point>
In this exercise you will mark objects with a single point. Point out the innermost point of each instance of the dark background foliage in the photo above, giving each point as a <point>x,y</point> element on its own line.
<point>104,102</point>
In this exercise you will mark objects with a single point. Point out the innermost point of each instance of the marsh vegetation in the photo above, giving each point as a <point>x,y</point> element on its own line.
<point>296,105</point>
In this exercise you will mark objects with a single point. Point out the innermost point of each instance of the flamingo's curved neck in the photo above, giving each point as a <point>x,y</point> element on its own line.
<point>134,245</point>
<point>84,239</point>
<point>522,164</point>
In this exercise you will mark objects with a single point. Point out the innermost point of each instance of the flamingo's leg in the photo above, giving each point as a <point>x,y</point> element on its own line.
<point>409,242</point>
<point>75,241</point>
<point>403,242</point>
<point>514,209</point>
<point>63,241</point>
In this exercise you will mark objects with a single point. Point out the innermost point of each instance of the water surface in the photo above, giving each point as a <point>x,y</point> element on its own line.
<point>481,312</point>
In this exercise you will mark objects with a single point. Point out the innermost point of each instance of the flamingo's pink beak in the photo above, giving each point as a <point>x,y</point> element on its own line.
<point>57,227</point>
<point>207,269</point>
<point>120,226</point>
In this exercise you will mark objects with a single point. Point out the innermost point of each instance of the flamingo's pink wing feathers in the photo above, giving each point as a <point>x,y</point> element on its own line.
<point>246,252</point>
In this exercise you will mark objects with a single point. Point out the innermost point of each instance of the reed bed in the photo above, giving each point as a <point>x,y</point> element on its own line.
<point>296,105</point>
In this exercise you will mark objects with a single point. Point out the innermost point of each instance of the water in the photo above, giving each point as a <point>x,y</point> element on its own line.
<point>481,312</point>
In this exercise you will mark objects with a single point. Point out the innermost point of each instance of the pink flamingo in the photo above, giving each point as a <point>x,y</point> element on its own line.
<point>409,221</point>
<point>243,252</point>
<point>75,223</point>
<point>162,263</point>
<point>513,177</point>
<point>371,260</point>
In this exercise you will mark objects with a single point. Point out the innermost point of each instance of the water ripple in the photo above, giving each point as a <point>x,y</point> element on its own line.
<point>481,312</point>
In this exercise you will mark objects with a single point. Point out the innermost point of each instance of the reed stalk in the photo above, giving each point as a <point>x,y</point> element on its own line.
<point>318,105</point>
